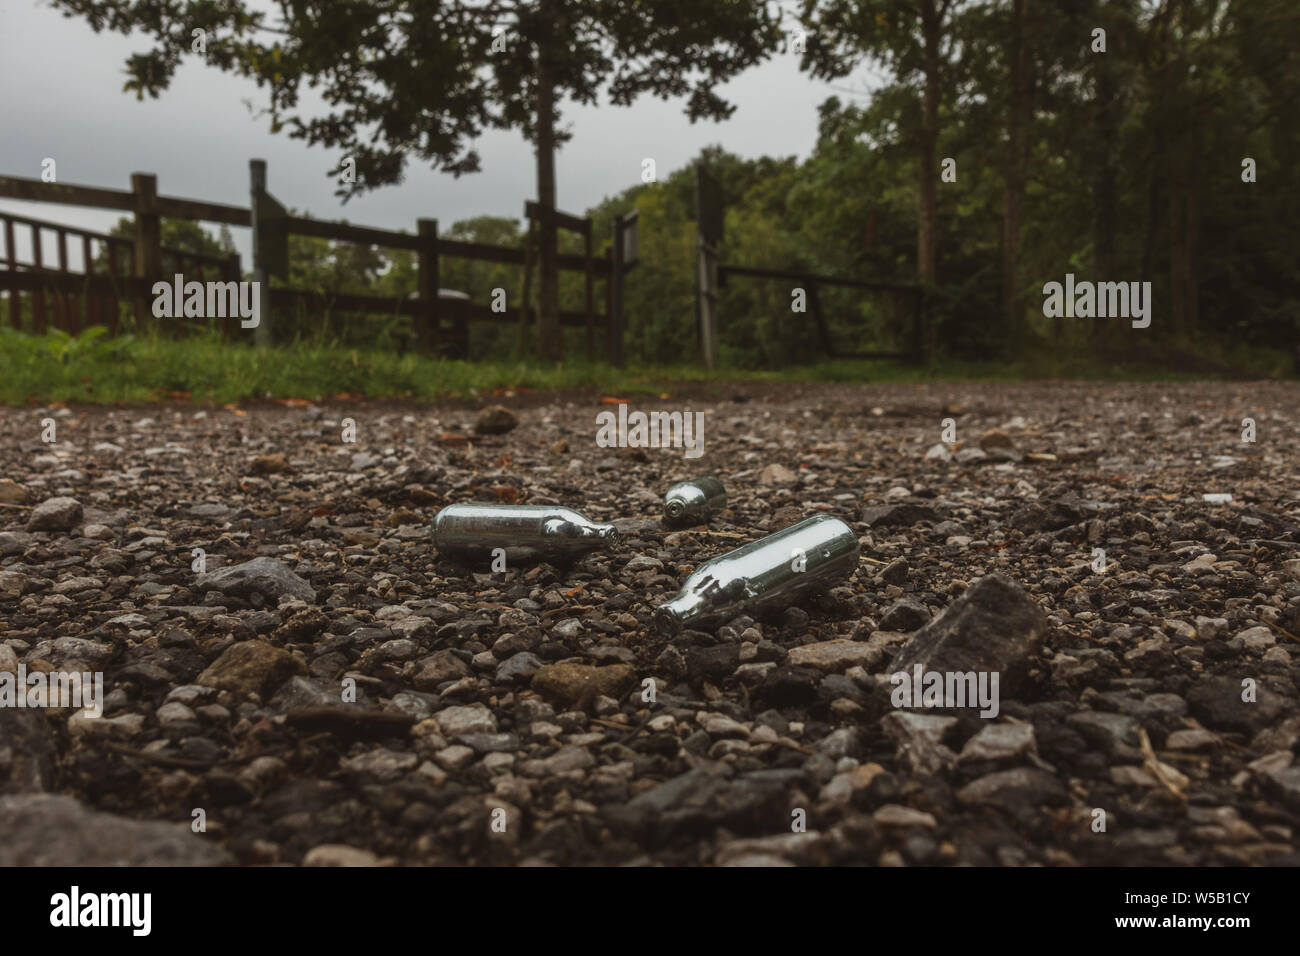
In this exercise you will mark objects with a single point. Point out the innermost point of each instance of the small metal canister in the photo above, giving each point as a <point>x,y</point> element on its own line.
<point>768,573</point>
<point>694,502</point>
<point>523,532</point>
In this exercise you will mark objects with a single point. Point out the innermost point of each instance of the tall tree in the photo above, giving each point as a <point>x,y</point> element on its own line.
<point>421,79</point>
<point>1113,82</point>
<point>907,37</point>
<point>1193,74</point>
<point>1013,196</point>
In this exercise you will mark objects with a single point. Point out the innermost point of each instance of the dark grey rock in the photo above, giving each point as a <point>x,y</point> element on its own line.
<point>15,542</point>
<point>1023,788</point>
<point>1216,702</point>
<point>55,514</point>
<point>994,626</point>
<point>896,571</point>
<point>1285,785</point>
<point>896,516</point>
<point>264,577</point>
<point>706,797</point>
<point>50,830</point>
<point>27,752</point>
<point>786,686</point>
<point>905,615</point>
<point>1115,734</point>
<point>1053,517</point>
<point>518,668</point>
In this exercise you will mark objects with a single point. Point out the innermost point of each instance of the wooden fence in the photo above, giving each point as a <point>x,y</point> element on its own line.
<point>712,275</point>
<point>810,281</point>
<point>440,322</point>
<point>72,300</point>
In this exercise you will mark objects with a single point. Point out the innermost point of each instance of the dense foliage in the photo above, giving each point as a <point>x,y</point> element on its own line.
<point>1009,143</point>
<point>422,79</point>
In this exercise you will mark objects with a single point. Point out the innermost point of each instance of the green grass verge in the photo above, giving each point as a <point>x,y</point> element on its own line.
<point>97,368</point>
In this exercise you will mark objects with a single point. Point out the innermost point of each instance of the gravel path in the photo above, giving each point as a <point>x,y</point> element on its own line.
<point>1147,709</point>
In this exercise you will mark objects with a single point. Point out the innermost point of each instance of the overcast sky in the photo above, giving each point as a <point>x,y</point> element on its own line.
<point>64,100</point>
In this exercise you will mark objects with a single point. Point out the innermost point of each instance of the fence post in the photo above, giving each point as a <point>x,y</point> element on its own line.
<point>15,304</point>
<point>708,270</point>
<point>147,256</point>
<point>88,267</point>
<point>614,336</point>
<point>823,333</point>
<point>61,320</point>
<point>521,344</point>
<point>230,272</point>
<point>38,293</point>
<point>257,186</point>
<point>590,279</point>
<point>430,280</point>
<point>113,248</point>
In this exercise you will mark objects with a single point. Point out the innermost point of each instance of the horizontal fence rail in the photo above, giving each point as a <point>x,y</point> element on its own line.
<point>76,299</point>
<point>712,274</point>
<point>130,267</point>
<point>811,281</point>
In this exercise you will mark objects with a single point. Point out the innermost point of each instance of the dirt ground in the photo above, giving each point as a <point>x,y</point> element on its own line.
<point>362,698</point>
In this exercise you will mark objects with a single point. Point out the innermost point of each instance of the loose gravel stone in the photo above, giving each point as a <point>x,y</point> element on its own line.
<point>250,667</point>
<point>835,656</point>
<point>471,719</point>
<point>394,697</point>
<point>495,420</point>
<point>1018,790</point>
<point>571,683</point>
<point>265,578</point>
<point>905,615</point>
<point>55,514</point>
<point>336,854</point>
<point>997,742</point>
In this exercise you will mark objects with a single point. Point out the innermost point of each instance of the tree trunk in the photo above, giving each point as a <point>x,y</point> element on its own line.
<point>1013,197</point>
<point>1105,189</point>
<point>1193,237</point>
<point>1182,251</point>
<point>549,343</point>
<point>1182,188</point>
<point>928,162</point>
<point>1153,215</point>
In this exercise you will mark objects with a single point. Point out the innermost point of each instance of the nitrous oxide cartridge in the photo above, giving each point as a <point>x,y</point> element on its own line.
<point>694,502</point>
<point>768,573</point>
<point>523,532</point>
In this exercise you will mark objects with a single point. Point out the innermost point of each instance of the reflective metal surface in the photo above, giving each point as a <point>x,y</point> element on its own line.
<point>522,531</point>
<point>694,502</point>
<point>763,575</point>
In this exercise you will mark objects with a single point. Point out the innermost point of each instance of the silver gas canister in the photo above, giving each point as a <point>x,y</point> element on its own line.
<point>694,502</point>
<point>771,572</point>
<point>523,532</point>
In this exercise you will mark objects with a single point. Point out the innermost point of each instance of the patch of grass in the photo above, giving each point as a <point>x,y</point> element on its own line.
<point>102,369</point>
